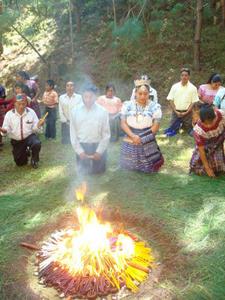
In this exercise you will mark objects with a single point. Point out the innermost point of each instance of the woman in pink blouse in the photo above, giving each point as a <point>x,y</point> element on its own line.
<point>113,105</point>
<point>208,91</point>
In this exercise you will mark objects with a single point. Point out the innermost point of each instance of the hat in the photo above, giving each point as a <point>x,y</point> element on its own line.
<point>21,97</point>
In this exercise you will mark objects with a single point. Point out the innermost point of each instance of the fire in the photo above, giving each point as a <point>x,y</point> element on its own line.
<point>81,191</point>
<point>95,259</point>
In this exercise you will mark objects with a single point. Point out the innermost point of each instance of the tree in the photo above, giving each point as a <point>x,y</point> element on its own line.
<point>1,45</point>
<point>197,38</point>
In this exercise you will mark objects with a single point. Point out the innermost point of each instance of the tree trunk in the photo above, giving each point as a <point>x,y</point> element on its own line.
<point>71,29</point>
<point>197,39</point>
<point>77,14</point>
<point>1,45</point>
<point>114,13</point>
<point>223,12</point>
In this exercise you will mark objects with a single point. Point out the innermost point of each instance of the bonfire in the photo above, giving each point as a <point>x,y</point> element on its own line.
<point>93,259</point>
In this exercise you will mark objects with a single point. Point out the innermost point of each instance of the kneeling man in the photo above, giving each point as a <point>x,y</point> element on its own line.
<point>22,124</point>
<point>90,133</point>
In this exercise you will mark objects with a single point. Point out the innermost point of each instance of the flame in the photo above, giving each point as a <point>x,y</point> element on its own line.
<point>81,192</point>
<point>96,249</point>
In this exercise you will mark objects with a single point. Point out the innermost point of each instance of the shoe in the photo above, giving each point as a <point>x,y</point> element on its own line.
<point>171,133</point>
<point>166,130</point>
<point>34,164</point>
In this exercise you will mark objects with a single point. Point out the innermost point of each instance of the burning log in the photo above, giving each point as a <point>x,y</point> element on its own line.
<point>29,246</point>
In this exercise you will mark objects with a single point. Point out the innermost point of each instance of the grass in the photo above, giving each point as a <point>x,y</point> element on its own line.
<point>188,209</point>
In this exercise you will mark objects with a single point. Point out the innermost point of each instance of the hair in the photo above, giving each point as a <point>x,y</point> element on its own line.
<point>207,113</point>
<point>215,77</point>
<point>23,74</point>
<point>20,85</point>
<point>51,83</point>
<point>110,86</point>
<point>185,70</point>
<point>197,106</point>
<point>2,92</point>
<point>90,88</point>
<point>145,85</point>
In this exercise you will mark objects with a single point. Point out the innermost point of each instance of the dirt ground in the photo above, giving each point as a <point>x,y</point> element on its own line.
<point>168,259</point>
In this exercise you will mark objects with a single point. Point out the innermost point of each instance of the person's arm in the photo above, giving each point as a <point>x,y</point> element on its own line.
<point>155,127</point>
<point>204,160</point>
<point>157,116</point>
<point>61,114</point>
<point>74,140</point>
<point>217,101</point>
<point>6,125</point>
<point>105,132</point>
<point>37,124</point>
<point>134,137</point>
<point>188,111</point>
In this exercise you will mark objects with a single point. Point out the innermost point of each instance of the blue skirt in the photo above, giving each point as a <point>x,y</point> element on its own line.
<point>145,157</point>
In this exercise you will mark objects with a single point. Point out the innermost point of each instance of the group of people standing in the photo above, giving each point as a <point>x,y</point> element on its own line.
<point>90,122</point>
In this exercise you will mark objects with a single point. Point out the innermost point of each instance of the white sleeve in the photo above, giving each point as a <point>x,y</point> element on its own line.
<point>170,96</point>
<point>155,96</point>
<point>35,122</point>
<point>73,136</point>
<point>157,115</point>
<point>195,97</point>
<point>6,124</point>
<point>61,115</point>
<point>103,144</point>
<point>132,97</point>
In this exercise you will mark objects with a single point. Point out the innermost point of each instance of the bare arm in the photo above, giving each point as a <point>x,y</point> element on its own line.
<point>204,160</point>
<point>155,127</point>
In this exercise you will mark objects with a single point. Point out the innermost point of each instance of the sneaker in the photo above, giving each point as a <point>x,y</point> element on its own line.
<point>34,164</point>
<point>166,130</point>
<point>171,133</point>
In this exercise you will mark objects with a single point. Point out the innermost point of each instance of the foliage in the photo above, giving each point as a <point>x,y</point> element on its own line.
<point>131,31</point>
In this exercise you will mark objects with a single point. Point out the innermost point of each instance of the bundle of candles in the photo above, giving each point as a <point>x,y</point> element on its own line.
<point>93,260</point>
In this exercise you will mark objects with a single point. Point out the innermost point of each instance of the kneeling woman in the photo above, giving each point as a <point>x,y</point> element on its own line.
<point>140,119</point>
<point>209,133</point>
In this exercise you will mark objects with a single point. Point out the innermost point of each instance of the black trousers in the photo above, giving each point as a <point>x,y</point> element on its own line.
<point>65,133</point>
<point>20,152</point>
<point>90,166</point>
<point>50,131</point>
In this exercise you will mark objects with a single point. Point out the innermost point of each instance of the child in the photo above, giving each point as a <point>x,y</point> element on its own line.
<point>50,100</point>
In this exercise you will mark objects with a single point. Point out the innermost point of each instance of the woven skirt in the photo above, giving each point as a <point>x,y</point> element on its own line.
<point>146,157</point>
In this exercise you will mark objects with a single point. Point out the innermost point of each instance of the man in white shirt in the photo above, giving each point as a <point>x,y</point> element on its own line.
<point>21,124</point>
<point>66,103</point>
<point>181,98</point>
<point>90,133</point>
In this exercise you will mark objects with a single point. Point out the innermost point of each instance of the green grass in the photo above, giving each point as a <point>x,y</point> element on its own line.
<point>189,210</point>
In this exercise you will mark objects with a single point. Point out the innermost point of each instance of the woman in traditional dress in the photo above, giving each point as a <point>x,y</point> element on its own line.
<point>32,90</point>
<point>208,91</point>
<point>140,119</point>
<point>113,105</point>
<point>209,133</point>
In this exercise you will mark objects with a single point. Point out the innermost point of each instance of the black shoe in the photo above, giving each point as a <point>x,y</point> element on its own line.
<point>34,164</point>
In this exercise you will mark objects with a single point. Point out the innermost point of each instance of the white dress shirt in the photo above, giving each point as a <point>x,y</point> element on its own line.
<point>19,126</point>
<point>89,126</point>
<point>66,104</point>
